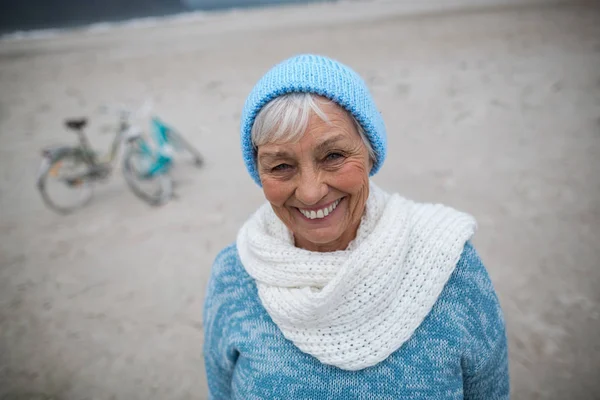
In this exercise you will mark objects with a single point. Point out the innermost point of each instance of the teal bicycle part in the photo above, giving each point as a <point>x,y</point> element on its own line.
<point>146,165</point>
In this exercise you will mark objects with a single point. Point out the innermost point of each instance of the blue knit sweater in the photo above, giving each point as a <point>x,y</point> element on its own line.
<point>458,352</point>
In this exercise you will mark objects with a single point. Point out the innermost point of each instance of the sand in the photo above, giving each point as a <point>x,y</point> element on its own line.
<point>495,111</point>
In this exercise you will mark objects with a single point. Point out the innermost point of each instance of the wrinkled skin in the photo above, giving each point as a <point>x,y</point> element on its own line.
<point>329,163</point>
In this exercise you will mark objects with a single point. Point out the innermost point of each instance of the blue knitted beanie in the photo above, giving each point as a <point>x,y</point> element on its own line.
<point>322,76</point>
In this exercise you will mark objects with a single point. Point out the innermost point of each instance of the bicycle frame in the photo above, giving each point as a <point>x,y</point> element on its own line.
<point>118,139</point>
<point>111,156</point>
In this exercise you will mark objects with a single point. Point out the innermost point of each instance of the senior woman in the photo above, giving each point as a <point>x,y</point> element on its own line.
<point>334,288</point>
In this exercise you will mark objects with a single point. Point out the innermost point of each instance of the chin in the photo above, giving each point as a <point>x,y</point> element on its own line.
<point>321,238</point>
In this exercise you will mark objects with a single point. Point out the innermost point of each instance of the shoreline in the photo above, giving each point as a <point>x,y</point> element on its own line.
<point>294,13</point>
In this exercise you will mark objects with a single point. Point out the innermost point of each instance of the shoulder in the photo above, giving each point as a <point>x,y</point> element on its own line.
<point>470,262</point>
<point>230,290</point>
<point>226,257</point>
<point>227,274</point>
<point>469,290</point>
<point>471,276</point>
<point>227,264</point>
<point>472,294</point>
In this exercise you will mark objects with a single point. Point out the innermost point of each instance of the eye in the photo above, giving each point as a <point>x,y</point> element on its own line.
<point>281,168</point>
<point>333,157</point>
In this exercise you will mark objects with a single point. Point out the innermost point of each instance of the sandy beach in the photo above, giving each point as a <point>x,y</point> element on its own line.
<point>492,110</point>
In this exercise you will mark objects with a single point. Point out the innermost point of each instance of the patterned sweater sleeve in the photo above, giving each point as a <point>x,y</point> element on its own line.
<point>485,360</point>
<point>219,353</point>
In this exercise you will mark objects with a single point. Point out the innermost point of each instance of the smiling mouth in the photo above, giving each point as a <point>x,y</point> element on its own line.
<point>320,213</point>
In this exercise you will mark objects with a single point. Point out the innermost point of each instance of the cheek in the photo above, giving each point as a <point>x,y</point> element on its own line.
<point>276,192</point>
<point>352,177</point>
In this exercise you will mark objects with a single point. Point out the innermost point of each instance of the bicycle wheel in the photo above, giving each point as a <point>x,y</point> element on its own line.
<point>146,175</point>
<point>63,182</point>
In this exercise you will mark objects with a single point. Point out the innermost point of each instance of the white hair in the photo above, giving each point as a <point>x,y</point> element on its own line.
<point>285,119</point>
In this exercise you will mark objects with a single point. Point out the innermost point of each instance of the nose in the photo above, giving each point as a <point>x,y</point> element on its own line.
<point>311,189</point>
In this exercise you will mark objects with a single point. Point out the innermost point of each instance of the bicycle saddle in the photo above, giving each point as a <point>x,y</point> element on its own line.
<point>76,124</point>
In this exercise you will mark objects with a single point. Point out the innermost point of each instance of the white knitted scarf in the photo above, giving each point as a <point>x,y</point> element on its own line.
<point>355,307</point>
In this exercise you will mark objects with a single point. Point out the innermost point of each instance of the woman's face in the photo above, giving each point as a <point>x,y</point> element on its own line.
<point>319,186</point>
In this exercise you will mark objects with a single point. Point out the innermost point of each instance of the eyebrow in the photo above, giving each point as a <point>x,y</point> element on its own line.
<point>327,143</point>
<point>274,155</point>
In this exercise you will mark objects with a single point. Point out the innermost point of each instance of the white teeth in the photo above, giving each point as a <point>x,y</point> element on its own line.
<point>322,213</point>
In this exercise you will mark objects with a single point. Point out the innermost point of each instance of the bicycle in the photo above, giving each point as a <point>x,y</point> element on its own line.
<point>77,168</point>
